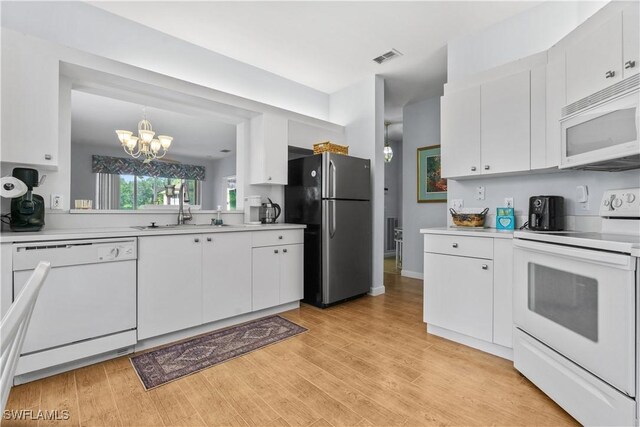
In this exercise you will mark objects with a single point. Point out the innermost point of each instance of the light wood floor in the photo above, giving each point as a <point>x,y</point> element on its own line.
<point>390,266</point>
<point>367,362</point>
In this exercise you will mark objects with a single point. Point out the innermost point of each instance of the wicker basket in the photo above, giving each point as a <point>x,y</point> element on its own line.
<point>468,219</point>
<point>330,147</point>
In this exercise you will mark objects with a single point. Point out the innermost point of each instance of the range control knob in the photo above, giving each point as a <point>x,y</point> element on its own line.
<point>617,203</point>
<point>630,198</point>
<point>606,202</point>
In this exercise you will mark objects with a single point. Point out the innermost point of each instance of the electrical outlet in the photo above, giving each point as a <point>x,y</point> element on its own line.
<point>584,206</point>
<point>457,204</point>
<point>480,193</point>
<point>508,202</point>
<point>56,201</point>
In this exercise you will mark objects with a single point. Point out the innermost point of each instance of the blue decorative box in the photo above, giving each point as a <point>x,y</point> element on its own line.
<point>505,219</point>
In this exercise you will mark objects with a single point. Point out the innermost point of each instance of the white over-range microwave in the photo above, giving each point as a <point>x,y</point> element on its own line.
<point>600,132</point>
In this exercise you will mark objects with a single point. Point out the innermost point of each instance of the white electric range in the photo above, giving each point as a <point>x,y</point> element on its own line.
<point>577,310</point>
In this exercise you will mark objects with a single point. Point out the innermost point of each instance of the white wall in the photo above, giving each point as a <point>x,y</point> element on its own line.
<point>421,128</point>
<point>221,168</point>
<point>529,32</point>
<point>360,108</point>
<point>90,29</point>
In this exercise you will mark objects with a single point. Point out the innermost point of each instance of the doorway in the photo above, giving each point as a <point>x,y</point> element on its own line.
<point>393,199</point>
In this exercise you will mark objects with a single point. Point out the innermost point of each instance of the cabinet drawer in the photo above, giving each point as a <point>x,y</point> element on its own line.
<point>277,237</point>
<point>476,247</point>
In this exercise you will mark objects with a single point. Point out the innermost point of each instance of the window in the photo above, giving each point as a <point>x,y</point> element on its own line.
<point>136,192</point>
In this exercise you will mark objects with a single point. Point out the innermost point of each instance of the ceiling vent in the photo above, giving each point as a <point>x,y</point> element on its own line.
<point>387,56</point>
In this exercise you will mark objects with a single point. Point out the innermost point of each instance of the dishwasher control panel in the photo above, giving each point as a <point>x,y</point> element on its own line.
<point>73,252</point>
<point>116,251</point>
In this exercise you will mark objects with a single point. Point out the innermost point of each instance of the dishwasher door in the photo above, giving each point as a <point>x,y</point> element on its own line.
<point>89,293</point>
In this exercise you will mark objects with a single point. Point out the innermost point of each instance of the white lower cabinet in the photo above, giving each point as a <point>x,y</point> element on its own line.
<point>226,280</point>
<point>467,289</point>
<point>169,284</point>
<point>277,275</point>
<point>459,295</point>
<point>193,279</point>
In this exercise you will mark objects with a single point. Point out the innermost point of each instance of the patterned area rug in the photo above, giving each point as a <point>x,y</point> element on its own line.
<point>167,364</point>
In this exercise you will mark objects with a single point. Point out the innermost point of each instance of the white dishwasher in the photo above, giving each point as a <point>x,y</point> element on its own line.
<point>87,305</point>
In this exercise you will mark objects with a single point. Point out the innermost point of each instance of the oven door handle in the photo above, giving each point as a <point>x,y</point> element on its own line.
<point>600,257</point>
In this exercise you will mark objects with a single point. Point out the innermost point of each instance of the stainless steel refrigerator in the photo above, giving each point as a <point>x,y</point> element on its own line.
<point>330,193</point>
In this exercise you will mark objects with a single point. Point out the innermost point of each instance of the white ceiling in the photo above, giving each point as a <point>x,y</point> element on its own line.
<point>329,45</point>
<point>94,120</point>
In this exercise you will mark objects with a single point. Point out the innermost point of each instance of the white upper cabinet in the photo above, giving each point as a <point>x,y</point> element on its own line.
<point>595,61</point>
<point>460,133</point>
<point>506,124</point>
<point>30,85</point>
<point>631,39</point>
<point>269,151</point>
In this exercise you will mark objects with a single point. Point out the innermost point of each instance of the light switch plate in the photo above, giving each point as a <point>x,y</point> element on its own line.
<point>457,204</point>
<point>508,202</point>
<point>480,193</point>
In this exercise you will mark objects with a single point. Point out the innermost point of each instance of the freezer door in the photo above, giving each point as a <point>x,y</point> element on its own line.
<point>345,177</point>
<point>346,260</point>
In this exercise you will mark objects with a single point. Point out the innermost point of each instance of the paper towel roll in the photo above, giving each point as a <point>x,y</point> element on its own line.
<point>11,187</point>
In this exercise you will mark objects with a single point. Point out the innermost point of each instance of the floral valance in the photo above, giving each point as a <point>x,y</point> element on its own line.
<point>130,166</point>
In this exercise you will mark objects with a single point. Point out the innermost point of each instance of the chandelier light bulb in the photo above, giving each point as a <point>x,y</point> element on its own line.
<point>165,141</point>
<point>131,142</point>
<point>146,135</point>
<point>155,145</point>
<point>123,135</point>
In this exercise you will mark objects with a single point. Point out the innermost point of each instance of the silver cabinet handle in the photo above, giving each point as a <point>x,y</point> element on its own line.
<point>629,64</point>
<point>48,157</point>
<point>275,251</point>
<point>208,239</point>
<point>455,245</point>
<point>269,179</point>
<point>284,251</point>
<point>473,168</point>
<point>485,267</point>
<point>279,237</point>
<point>486,167</point>
<point>609,74</point>
<point>196,240</point>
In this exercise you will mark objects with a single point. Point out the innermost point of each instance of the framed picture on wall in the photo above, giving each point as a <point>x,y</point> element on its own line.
<point>432,188</point>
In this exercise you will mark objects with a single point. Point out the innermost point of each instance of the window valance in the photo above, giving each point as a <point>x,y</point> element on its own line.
<point>160,169</point>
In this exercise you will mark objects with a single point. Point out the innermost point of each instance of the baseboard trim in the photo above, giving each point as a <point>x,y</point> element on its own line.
<point>412,274</point>
<point>378,290</point>
<point>487,347</point>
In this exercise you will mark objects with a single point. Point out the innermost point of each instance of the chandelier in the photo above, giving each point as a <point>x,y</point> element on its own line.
<point>144,145</point>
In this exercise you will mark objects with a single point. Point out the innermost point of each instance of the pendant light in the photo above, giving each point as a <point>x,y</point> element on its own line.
<point>388,151</point>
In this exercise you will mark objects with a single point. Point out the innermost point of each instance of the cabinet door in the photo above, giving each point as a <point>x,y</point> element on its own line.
<point>460,133</point>
<point>269,150</point>
<point>458,294</point>
<point>169,284</point>
<point>226,280</point>
<point>506,124</point>
<point>291,273</point>
<point>502,292</point>
<point>30,100</point>
<point>266,277</point>
<point>631,39</point>
<point>593,58</point>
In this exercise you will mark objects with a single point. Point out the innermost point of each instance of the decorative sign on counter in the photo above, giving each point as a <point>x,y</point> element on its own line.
<point>505,219</point>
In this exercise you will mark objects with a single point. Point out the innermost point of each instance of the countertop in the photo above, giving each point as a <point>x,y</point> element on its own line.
<point>101,233</point>
<point>474,232</point>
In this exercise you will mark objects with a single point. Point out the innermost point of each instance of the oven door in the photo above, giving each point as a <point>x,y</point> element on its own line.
<point>605,132</point>
<point>581,303</point>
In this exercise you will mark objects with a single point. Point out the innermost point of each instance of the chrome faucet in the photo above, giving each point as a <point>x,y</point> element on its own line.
<point>183,196</point>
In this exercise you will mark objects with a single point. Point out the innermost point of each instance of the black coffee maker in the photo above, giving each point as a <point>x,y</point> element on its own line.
<point>27,211</point>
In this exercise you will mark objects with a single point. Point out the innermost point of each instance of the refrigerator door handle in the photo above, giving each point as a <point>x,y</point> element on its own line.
<point>332,178</point>
<point>332,219</point>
